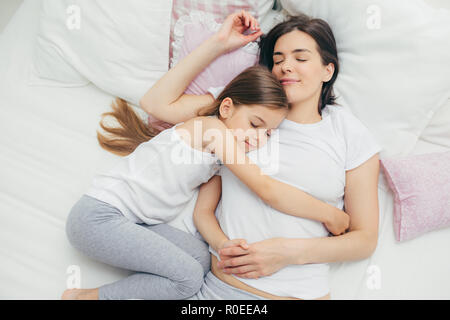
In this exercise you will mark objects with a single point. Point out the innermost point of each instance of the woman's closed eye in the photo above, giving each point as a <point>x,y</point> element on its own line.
<point>300,60</point>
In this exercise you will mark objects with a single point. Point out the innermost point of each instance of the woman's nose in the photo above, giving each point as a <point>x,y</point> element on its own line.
<point>286,66</point>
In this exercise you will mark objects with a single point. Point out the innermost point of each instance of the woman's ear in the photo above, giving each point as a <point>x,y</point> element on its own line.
<point>226,108</point>
<point>328,72</point>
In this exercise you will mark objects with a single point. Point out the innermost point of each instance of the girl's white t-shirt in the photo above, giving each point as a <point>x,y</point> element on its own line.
<point>314,158</point>
<point>158,182</point>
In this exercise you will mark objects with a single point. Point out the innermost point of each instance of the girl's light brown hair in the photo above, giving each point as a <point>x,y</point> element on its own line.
<point>254,86</point>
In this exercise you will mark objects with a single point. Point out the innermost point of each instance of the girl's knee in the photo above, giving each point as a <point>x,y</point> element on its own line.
<point>78,226</point>
<point>73,226</point>
<point>192,283</point>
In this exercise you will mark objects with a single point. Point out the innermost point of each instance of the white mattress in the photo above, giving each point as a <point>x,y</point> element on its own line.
<point>49,154</point>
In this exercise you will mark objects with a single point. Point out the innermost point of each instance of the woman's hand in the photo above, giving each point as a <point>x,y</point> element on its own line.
<point>231,34</point>
<point>261,259</point>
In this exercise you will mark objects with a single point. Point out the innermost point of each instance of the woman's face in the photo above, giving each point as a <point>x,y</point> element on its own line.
<point>298,66</point>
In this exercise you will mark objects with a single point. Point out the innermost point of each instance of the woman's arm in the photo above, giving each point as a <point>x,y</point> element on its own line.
<point>205,219</point>
<point>361,203</point>
<point>165,99</point>
<point>277,194</point>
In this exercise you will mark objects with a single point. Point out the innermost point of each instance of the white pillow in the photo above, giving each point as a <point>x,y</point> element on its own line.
<point>395,66</point>
<point>120,46</point>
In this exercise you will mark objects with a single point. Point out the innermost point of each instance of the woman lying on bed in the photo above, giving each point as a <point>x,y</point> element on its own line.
<point>323,150</point>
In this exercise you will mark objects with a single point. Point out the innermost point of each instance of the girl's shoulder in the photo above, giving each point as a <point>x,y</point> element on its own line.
<point>202,123</point>
<point>200,132</point>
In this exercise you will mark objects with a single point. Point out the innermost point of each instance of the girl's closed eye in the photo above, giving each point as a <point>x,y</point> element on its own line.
<point>268,131</point>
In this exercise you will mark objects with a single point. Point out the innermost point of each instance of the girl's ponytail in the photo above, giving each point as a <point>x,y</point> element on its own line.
<point>131,132</point>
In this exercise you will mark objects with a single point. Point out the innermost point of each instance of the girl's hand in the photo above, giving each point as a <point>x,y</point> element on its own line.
<point>231,34</point>
<point>339,223</point>
<point>242,243</point>
<point>261,259</point>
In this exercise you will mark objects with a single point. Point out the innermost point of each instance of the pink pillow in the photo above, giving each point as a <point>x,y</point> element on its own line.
<point>222,70</point>
<point>192,31</point>
<point>219,10</point>
<point>421,187</point>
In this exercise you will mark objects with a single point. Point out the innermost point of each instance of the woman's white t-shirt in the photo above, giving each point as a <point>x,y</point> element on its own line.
<point>314,158</point>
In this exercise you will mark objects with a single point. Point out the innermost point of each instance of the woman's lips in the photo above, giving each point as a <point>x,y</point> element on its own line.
<point>288,81</point>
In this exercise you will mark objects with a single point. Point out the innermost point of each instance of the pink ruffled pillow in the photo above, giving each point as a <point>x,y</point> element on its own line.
<point>421,187</point>
<point>221,71</point>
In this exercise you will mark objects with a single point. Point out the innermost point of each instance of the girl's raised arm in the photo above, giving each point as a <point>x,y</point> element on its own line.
<point>166,100</point>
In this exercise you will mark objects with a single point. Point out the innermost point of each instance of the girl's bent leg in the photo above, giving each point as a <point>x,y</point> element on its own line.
<point>195,247</point>
<point>164,270</point>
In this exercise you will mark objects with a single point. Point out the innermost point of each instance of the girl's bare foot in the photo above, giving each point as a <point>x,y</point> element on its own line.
<point>80,294</point>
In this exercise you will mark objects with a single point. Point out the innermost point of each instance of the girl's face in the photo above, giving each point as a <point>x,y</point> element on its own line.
<point>251,125</point>
<point>298,66</point>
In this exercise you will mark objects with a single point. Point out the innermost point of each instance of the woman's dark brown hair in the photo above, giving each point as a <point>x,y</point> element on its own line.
<point>321,32</point>
<point>254,86</point>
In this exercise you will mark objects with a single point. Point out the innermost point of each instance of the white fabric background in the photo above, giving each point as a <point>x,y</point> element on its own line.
<point>49,154</point>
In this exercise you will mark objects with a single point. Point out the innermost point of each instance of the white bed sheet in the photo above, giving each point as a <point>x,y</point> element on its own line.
<point>49,154</point>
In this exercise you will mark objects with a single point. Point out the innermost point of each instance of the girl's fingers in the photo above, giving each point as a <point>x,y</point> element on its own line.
<point>232,251</point>
<point>254,24</point>
<point>235,262</point>
<point>234,242</point>
<point>247,18</point>
<point>253,36</point>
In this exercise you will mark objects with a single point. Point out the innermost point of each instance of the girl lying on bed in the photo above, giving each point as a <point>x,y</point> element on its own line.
<point>122,218</point>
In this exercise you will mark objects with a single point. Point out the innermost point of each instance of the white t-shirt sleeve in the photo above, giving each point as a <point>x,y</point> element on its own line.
<point>360,144</point>
<point>215,91</point>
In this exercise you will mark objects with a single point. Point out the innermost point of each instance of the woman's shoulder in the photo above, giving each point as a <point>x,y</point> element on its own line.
<point>360,144</point>
<point>344,119</point>
<point>339,112</point>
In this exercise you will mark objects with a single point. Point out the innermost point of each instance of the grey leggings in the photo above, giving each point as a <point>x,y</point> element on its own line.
<point>169,263</point>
